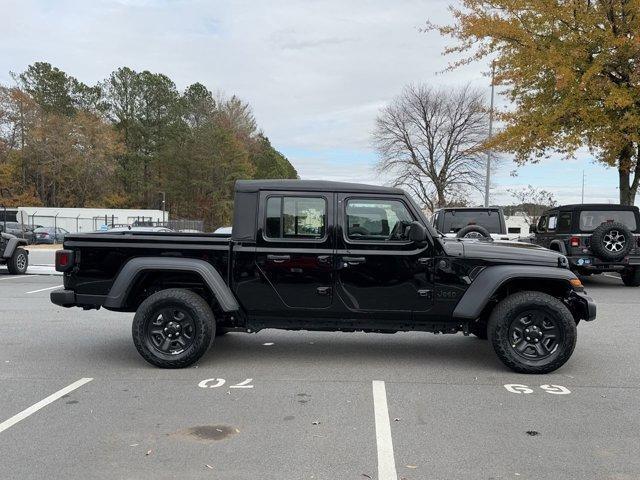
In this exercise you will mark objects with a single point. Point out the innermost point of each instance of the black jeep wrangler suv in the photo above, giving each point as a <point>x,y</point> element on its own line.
<point>595,238</point>
<point>314,255</point>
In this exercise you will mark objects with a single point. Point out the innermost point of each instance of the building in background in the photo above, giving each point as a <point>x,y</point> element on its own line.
<point>518,223</point>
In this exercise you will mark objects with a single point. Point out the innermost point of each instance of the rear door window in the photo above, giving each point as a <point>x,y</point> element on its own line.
<point>296,217</point>
<point>552,222</point>
<point>592,219</point>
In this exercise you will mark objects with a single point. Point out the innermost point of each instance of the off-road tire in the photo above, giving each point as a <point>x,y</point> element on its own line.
<point>479,329</point>
<point>191,303</point>
<point>631,276</point>
<point>510,309</point>
<point>19,262</point>
<point>597,243</point>
<point>479,229</point>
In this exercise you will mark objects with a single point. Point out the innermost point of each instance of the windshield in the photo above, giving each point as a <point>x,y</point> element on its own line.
<point>592,219</point>
<point>454,220</point>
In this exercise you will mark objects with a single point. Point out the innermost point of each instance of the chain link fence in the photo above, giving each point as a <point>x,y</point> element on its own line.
<point>79,223</point>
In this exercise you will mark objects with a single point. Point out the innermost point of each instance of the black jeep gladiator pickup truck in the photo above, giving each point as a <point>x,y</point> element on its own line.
<point>316,255</point>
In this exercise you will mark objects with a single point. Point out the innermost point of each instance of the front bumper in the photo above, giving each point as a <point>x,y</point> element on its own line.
<point>586,305</point>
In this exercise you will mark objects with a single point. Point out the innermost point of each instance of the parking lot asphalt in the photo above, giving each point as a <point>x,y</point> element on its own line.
<point>308,405</point>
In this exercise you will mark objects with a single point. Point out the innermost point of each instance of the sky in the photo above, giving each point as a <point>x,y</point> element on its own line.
<point>315,72</point>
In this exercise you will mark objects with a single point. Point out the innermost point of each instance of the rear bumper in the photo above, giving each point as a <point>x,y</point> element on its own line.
<point>64,298</point>
<point>593,264</point>
<point>69,298</point>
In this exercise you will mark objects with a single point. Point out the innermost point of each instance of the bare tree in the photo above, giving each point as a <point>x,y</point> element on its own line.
<point>532,203</point>
<point>431,141</point>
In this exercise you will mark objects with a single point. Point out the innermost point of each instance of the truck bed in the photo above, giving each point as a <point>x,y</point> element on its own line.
<point>103,255</point>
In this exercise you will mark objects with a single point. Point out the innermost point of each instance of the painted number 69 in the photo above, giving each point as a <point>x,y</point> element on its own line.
<point>524,389</point>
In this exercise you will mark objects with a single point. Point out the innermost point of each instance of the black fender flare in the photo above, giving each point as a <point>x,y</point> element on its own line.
<point>560,244</point>
<point>12,244</point>
<point>134,267</point>
<point>492,278</point>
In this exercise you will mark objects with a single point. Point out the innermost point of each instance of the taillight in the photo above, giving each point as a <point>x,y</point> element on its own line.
<point>574,242</point>
<point>64,260</point>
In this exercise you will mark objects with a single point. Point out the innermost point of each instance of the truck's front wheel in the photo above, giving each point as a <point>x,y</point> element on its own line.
<point>532,332</point>
<point>173,328</point>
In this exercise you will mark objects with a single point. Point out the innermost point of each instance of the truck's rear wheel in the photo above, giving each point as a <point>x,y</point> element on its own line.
<point>173,328</point>
<point>532,332</point>
<point>18,263</point>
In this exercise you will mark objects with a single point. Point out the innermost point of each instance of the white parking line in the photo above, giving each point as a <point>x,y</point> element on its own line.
<point>611,276</point>
<point>386,461</point>
<point>41,404</point>
<point>12,277</point>
<point>43,289</point>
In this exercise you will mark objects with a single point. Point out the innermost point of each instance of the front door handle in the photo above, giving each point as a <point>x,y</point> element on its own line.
<point>278,258</point>
<point>354,260</point>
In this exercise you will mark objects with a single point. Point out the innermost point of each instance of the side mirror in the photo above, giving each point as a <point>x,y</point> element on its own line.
<point>417,232</point>
<point>533,229</point>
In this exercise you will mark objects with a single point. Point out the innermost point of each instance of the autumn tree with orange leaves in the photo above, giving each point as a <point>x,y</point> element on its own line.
<point>571,69</point>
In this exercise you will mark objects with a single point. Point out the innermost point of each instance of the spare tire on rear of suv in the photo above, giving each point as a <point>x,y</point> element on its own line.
<point>473,231</point>
<point>611,241</point>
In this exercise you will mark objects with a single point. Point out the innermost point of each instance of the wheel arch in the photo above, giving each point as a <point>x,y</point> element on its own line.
<point>12,244</point>
<point>558,246</point>
<point>497,282</point>
<point>142,272</point>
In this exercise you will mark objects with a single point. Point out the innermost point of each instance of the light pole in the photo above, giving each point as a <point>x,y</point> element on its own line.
<point>488,177</point>
<point>163,209</point>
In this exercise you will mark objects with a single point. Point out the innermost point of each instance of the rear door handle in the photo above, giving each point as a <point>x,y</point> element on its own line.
<point>324,258</point>
<point>278,258</point>
<point>323,290</point>
<point>354,260</point>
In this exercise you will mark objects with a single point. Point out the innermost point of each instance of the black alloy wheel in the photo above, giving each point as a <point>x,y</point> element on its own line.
<point>535,334</point>
<point>532,332</point>
<point>173,328</point>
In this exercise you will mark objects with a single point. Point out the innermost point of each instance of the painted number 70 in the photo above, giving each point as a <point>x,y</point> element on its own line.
<point>218,382</point>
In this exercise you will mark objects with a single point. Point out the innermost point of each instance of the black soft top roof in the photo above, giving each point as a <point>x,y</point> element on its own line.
<point>312,186</point>
<point>593,206</point>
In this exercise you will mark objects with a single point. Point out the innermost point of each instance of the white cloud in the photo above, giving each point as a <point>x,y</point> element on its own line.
<point>315,72</point>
